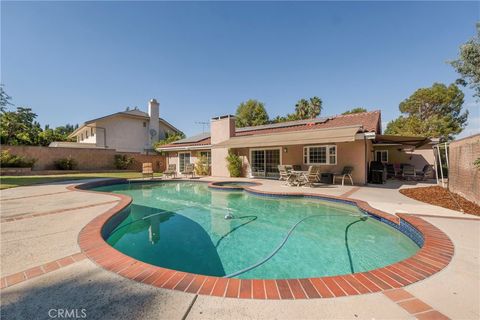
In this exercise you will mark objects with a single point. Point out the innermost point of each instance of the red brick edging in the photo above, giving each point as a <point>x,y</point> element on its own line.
<point>435,255</point>
<point>34,272</point>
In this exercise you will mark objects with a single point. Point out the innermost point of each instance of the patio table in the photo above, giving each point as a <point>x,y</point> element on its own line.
<point>295,176</point>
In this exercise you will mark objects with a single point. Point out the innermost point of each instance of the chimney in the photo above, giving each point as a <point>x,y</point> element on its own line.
<point>222,128</point>
<point>153,126</point>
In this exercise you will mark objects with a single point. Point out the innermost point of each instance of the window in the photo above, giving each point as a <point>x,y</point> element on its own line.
<point>144,124</point>
<point>86,133</point>
<point>208,155</point>
<point>381,155</point>
<point>92,132</point>
<point>320,155</point>
<point>183,160</point>
<point>81,137</point>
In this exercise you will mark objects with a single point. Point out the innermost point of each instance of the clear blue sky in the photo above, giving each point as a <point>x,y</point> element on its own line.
<point>72,62</point>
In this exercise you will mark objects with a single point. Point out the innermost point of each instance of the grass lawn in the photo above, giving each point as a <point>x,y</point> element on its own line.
<point>17,181</point>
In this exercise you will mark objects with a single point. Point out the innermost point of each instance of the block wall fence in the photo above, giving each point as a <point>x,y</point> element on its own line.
<point>463,175</point>
<point>87,159</point>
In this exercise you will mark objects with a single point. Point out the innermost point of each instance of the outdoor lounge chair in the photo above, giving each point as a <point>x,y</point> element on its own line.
<point>310,177</point>
<point>284,173</point>
<point>147,170</point>
<point>426,173</point>
<point>171,171</point>
<point>189,170</point>
<point>346,172</point>
<point>409,171</point>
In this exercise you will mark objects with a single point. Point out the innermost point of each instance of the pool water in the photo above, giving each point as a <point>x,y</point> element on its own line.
<point>182,226</point>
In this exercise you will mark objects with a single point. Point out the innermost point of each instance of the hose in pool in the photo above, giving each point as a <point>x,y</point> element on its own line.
<point>274,252</point>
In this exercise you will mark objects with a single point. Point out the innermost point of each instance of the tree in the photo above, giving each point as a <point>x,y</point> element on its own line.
<point>468,63</point>
<point>169,138</point>
<point>251,113</point>
<point>431,112</point>
<point>19,127</point>
<point>4,99</point>
<point>308,109</point>
<point>304,109</point>
<point>355,110</point>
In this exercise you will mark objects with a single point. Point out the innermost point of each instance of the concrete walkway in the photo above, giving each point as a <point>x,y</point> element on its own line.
<point>40,225</point>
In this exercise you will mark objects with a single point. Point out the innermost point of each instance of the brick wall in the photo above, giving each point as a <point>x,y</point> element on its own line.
<point>464,177</point>
<point>87,159</point>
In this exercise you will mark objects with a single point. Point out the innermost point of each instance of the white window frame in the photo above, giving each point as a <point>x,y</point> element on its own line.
<point>381,156</point>
<point>327,147</point>
<point>265,158</point>
<point>190,159</point>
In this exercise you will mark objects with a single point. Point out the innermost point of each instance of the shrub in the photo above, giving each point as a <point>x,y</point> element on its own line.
<point>234,164</point>
<point>8,160</point>
<point>201,166</point>
<point>66,163</point>
<point>122,161</point>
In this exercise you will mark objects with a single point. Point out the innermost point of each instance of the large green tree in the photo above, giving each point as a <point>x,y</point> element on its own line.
<point>19,127</point>
<point>251,113</point>
<point>355,110</point>
<point>431,112</point>
<point>468,63</point>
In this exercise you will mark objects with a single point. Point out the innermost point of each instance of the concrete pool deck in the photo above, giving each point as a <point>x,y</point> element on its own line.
<point>40,226</point>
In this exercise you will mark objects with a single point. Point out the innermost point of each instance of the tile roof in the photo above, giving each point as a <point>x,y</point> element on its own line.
<point>371,122</point>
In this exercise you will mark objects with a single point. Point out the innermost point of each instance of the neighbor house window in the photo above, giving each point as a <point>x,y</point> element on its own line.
<point>208,155</point>
<point>381,155</point>
<point>144,124</point>
<point>320,155</point>
<point>92,132</point>
<point>81,137</point>
<point>86,133</point>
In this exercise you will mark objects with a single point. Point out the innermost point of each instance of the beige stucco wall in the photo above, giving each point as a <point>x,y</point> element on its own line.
<point>123,133</point>
<point>348,154</point>
<point>418,158</point>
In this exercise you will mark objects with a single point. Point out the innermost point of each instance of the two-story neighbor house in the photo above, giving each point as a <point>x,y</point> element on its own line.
<point>125,131</point>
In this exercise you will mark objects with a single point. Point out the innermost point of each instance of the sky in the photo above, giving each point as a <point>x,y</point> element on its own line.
<point>75,61</point>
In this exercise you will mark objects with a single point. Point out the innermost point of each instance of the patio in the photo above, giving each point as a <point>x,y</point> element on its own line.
<point>40,226</point>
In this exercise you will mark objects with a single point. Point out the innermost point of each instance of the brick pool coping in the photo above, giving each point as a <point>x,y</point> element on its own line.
<point>435,254</point>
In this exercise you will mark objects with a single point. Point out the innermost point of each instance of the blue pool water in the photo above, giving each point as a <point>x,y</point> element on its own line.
<point>182,226</point>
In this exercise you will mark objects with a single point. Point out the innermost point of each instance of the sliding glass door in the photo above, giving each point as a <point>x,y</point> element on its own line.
<point>264,162</point>
<point>183,159</point>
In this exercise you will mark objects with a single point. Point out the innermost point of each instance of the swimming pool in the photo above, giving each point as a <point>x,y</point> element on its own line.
<point>181,225</point>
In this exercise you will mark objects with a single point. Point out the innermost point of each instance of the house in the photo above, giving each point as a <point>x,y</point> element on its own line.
<point>125,131</point>
<point>331,142</point>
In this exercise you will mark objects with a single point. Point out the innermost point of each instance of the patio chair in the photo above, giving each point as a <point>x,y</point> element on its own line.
<point>346,172</point>
<point>171,171</point>
<point>426,173</point>
<point>147,170</point>
<point>310,177</point>
<point>409,171</point>
<point>284,173</point>
<point>189,170</point>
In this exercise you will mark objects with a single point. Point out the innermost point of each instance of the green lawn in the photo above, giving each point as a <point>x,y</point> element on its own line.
<point>17,181</point>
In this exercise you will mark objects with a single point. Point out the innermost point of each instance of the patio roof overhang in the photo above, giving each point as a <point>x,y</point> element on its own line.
<point>416,142</point>
<point>338,134</point>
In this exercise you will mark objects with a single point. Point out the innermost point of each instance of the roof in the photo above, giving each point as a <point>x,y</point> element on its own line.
<point>135,113</point>
<point>286,138</point>
<point>365,121</point>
